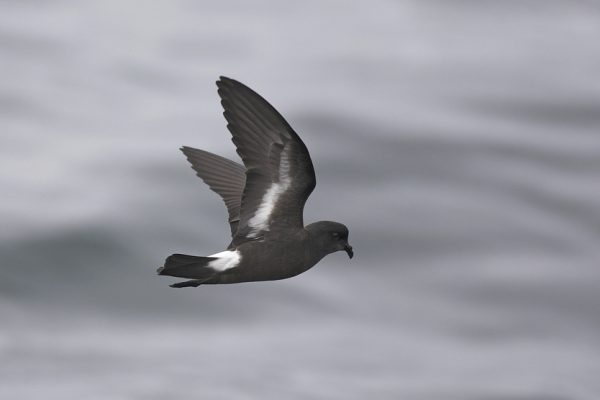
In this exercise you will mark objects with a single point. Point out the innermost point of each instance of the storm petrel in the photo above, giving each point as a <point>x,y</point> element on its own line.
<point>265,199</point>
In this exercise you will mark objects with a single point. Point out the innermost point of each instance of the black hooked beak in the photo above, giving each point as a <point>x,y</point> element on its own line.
<point>348,250</point>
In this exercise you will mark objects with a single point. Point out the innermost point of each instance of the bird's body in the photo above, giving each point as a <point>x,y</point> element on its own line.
<point>284,256</point>
<point>265,199</point>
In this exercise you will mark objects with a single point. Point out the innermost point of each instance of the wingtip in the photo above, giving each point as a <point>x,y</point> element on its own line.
<point>186,151</point>
<point>225,82</point>
<point>223,79</point>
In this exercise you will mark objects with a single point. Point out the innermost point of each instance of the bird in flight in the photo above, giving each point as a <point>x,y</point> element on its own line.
<point>264,198</point>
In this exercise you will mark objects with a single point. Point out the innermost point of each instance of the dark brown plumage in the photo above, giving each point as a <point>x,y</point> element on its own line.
<point>264,198</point>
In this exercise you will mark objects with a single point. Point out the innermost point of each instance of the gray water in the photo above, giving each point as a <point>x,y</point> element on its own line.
<point>459,140</point>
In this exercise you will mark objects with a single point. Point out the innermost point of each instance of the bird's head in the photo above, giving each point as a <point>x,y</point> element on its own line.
<point>330,237</point>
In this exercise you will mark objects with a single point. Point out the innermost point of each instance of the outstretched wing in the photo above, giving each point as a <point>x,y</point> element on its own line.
<point>223,176</point>
<point>279,172</point>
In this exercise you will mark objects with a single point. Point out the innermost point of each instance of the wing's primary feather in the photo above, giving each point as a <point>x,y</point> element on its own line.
<point>225,177</point>
<point>279,172</point>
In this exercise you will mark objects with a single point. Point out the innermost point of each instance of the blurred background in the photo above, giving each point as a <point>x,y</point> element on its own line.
<point>459,140</point>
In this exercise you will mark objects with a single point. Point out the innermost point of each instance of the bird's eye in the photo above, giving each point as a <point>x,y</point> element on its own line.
<point>335,235</point>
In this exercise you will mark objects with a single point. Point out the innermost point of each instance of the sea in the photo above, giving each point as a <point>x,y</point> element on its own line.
<point>459,141</point>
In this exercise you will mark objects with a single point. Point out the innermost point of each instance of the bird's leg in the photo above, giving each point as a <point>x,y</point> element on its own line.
<point>192,283</point>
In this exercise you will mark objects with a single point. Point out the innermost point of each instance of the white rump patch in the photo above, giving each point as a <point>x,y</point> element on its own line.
<point>225,260</point>
<point>260,220</point>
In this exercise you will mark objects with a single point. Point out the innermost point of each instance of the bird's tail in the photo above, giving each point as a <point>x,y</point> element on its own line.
<point>184,266</point>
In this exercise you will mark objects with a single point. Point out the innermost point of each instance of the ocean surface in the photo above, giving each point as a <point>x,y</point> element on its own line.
<point>459,140</point>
